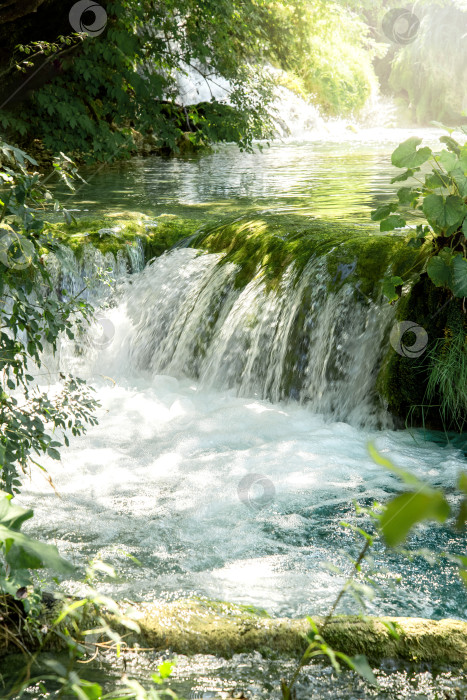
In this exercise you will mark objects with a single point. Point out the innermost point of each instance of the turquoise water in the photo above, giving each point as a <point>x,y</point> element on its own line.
<point>341,178</point>
<point>159,478</point>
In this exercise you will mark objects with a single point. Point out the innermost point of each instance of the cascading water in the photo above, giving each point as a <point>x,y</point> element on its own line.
<point>294,117</point>
<point>237,410</point>
<point>200,468</point>
<point>188,319</point>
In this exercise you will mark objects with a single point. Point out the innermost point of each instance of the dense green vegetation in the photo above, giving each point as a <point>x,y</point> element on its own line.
<point>33,314</point>
<point>106,94</point>
<point>431,388</point>
<point>106,89</point>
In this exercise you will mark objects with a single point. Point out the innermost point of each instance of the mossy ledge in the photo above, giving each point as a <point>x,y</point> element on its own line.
<point>266,243</point>
<point>112,234</point>
<point>193,626</point>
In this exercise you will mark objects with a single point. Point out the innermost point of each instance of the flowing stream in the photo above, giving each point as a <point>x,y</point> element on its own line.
<point>221,483</point>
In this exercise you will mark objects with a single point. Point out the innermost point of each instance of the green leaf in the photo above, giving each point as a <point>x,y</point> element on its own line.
<point>407,477</point>
<point>384,211</point>
<point>408,195</point>
<point>360,664</point>
<point>460,181</point>
<point>405,176</point>
<point>165,669</point>
<point>459,276</point>
<point>389,287</point>
<point>92,691</point>
<point>392,222</point>
<point>52,452</point>
<point>11,515</point>
<point>313,625</point>
<point>440,271</point>
<point>451,144</point>
<point>435,180</point>
<point>406,154</point>
<point>408,509</point>
<point>27,553</point>
<point>443,212</point>
<point>461,519</point>
<point>448,160</point>
<point>391,628</point>
<point>439,125</point>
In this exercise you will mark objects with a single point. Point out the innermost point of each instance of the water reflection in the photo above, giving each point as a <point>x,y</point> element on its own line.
<point>340,178</point>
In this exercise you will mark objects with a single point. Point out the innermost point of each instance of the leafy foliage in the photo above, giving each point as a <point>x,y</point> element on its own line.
<point>329,48</point>
<point>419,504</point>
<point>104,88</point>
<point>21,553</point>
<point>126,79</point>
<point>394,521</point>
<point>32,315</point>
<point>69,622</point>
<point>440,196</point>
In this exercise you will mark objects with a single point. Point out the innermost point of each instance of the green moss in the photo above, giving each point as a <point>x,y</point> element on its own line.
<point>224,629</point>
<point>157,235</point>
<point>420,640</point>
<point>206,627</point>
<point>267,244</point>
<point>428,391</point>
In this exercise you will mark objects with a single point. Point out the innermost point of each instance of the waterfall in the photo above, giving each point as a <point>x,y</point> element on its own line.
<point>185,316</point>
<point>89,273</point>
<point>294,116</point>
<point>189,364</point>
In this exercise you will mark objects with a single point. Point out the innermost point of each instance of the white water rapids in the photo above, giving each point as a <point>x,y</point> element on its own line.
<point>202,471</point>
